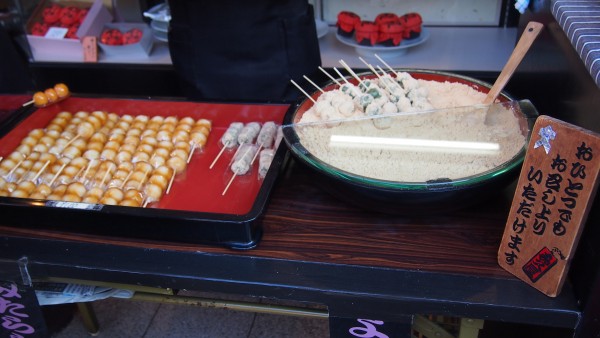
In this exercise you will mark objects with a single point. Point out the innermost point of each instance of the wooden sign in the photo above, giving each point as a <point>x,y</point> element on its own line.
<point>90,49</point>
<point>554,194</point>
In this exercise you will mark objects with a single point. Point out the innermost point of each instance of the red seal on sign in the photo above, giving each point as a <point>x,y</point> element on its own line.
<point>539,264</point>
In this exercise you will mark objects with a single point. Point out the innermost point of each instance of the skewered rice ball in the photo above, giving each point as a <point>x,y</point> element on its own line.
<point>159,180</point>
<point>114,193</point>
<point>91,154</point>
<point>71,198</point>
<point>76,188</point>
<point>180,153</point>
<point>30,141</point>
<point>171,120</point>
<point>36,133</point>
<point>140,156</point>
<point>81,115</point>
<point>19,193</point>
<point>168,127</point>
<point>123,156</point>
<point>100,115</point>
<point>94,121</point>
<point>71,152</point>
<point>168,145</point>
<point>134,140</point>
<point>98,137</point>
<point>134,132</point>
<point>178,164</point>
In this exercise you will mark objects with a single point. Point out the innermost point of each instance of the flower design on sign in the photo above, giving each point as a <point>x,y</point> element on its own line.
<point>547,134</point>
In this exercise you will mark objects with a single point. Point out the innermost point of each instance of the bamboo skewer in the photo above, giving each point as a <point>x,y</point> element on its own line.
<point>234,173</point>
<point>229,184</point>
<point>314,84</point>
<point>105,176</point>
<point>343,63</point>
<point>171,181</point>
<point>370,67</point>
<point>385,63</point>
<point>331,77</point>
<point>125,180</point>
<point>225,146</point>
<point>40,171</point>
<point>143,180</point>
<point>191,152</point>
<point>71,141</point>
<point>302,90</point>
<point>341,76</point>
<point>256,154</point>
<point>87,169</point>
<point>57,174</point>
<point>14,168</point>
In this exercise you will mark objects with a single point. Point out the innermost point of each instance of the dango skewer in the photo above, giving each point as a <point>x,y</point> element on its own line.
<point>228,139</point>
<point>51,95</point>
<point>265,138</point>
<point>241,164</point>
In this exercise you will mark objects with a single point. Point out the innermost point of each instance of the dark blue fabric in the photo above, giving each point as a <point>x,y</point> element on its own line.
<point>243,50</point>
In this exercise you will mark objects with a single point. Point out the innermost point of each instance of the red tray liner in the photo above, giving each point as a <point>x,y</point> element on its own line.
<point>197,189</point>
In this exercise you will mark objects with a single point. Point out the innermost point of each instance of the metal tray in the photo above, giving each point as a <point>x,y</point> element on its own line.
<point>193,212</point>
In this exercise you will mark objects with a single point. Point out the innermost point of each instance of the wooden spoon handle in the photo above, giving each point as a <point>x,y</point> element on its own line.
<point>529,35</point>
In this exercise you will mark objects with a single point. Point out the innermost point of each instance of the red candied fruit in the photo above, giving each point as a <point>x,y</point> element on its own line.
<point>82,14</point>
<point>39,29</point>
<point>69,15</point>
<point>112,37</point>
<point>51,14</point>
<point>72,32</point>
<point>132,36</point>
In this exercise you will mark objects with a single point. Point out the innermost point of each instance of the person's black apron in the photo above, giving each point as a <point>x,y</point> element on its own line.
<point>243,50</point>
